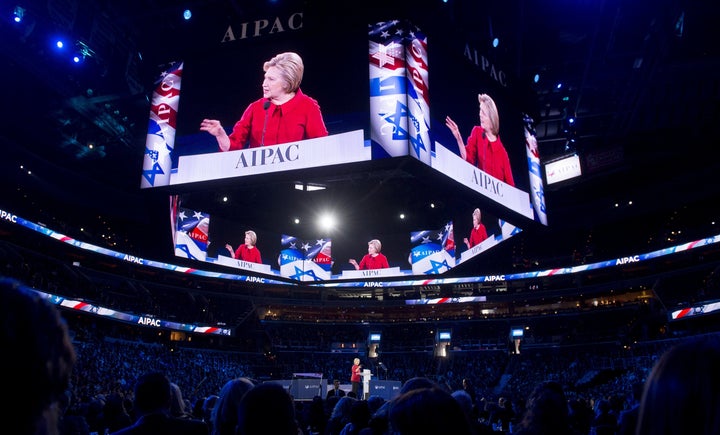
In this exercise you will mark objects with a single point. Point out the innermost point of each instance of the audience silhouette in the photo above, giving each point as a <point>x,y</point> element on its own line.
<point>627,420</point>
<point>682,393</point>
<point>427,410</point>
<point>225,414</point>
<point>153,397</point>
<point>546,412</point>
<point>265,409</point>
<point>41,363</point>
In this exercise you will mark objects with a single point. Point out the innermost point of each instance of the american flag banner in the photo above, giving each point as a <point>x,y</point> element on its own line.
<point>399,108</point>
<point>160,140</point>
<point>418,98</point>
<point>321,254</point>
<point>191,234</point>
<point>305,260</point>
<point>433,251</point>
<point>534,172</point>
<point>174,205</point>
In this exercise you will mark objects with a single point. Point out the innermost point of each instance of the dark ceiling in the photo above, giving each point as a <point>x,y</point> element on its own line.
<point>640,78</point>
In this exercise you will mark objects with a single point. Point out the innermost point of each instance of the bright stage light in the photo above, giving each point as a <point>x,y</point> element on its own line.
<point>18,14</point>
<point>327,221</point>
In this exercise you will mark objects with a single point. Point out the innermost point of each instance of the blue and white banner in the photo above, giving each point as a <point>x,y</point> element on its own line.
<point>399,101</point>
<point>418,99</point>
<point>305,260</point>
<point>433,252</point>
<point>8,217</point>
<point>537,188</point>
<point>191,234</point>
<point>162,125</point>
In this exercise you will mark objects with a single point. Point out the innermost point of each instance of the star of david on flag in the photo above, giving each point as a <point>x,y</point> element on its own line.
<point>433,251</point>
<point>191,234</point>
<point>305,260</point>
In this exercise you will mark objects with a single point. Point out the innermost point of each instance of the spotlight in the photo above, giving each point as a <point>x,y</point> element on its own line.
<point>187,14</point>
<point>536,78</point>
<point>680,25</point>
<point>18,14</point>
<point>82,52</point>
<point>314,187</point>
<point>495,42</point>
<point>327,222</point>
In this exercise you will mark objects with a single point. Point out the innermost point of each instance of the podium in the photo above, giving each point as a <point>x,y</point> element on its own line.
<point>371,273</point>
<point>305,389</point>
<point>388,390</point>
<point>245,265</point>
<point>348,147</point>
<point>366,375</point>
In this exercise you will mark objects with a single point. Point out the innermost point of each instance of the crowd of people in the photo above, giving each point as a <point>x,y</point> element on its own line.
<point>95,383</point>
<point>79,381</point>
<point>97,379</point>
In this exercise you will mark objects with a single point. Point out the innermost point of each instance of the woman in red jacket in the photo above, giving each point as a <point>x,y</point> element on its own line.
<point>283,114</point>
<point>247,251</point>
<point>373,259</point>
<point>484,148</point>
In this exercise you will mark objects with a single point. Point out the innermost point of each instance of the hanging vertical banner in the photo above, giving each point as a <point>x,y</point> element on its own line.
<point>537,189</point>
<point>433,251</point>
<point>418,98</point>
<point>160,141</point>
<point>399,109</point>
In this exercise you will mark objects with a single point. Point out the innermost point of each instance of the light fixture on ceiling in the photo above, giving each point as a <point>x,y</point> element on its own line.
<point>680,25</point>
<point>82,52</point>
<point>327,221</point>
<point>18,14</point>
<point>309,187</point>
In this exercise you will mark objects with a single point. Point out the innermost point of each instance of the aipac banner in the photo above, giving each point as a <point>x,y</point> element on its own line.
<point>191,234</point>
<point>399,101</point>
<point>305,260</point>
<point>160,140</point>
<point>433,252</point>
<point>321,254</point>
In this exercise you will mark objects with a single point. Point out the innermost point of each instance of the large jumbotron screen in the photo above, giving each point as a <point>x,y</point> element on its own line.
<point>385,88</point>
